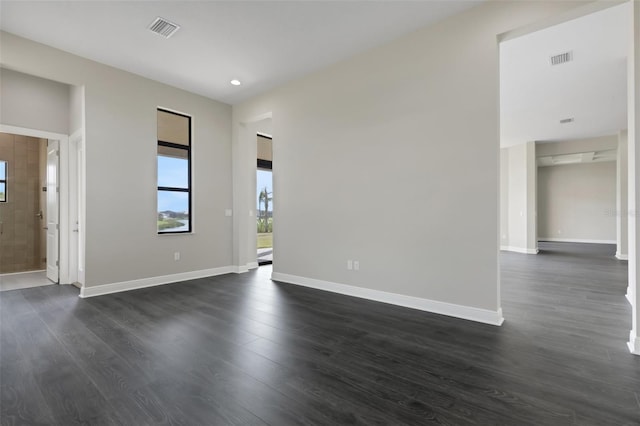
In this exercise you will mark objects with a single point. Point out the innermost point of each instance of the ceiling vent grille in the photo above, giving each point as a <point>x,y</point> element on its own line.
<point>566,120</point>
<point>163,27</point>
<point>562,58</point>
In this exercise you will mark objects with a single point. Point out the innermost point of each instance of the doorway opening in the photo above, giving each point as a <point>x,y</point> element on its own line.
<point>563,121</point>
<point>264,199</point>
<point>28,211</point>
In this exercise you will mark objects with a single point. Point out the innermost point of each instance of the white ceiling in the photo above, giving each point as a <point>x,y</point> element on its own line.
<point>535,96</point>
<point>261,43</point>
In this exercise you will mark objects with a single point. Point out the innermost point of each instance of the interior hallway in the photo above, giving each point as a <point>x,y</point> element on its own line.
<point>241,349</point>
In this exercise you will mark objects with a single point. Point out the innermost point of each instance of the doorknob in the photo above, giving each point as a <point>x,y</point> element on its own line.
<point>40,215</point>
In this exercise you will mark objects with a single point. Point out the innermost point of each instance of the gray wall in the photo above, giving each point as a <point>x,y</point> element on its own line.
<point>519,198</point>
<point>504,198</point>
<point>120,129</point>
<point>622,188</point>
<point>391,158</point>
<point>577,202</point>
<point>33,103</point>
<point>76,108</point>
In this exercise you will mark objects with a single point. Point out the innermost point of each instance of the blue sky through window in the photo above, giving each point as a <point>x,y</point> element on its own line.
<point>174,173</point>
<point>264,179</point>
<point>3,170</point>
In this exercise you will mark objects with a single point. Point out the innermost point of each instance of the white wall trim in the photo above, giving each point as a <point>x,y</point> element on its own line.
<point>434,306</point>
<point>240,269</point>
<point>34,133</point>
<point>622,256</point>
<point>634,344</point>
<point>629,296</point>
<point>519,250</point>
<point>151,281</point>
<point>576,240</point>
<point>252,265</point>
<point>7,274</point>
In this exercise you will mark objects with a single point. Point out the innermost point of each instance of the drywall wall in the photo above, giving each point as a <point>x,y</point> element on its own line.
<point>32,102</point>
<point>622,193</point>
<point>391,158</point>
<point>504,198</point>
<point>577,202</point>
<point>76,108</point>
<point>521,235</point>
<point>120,128</point>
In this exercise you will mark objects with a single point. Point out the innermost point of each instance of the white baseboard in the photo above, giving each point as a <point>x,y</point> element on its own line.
<point>244,268</point>
<point>519,250</point>
<point>21,273</point>
<point>634,343</point>
<point>151,281</point>
<point>622,256</point>
<point>576,240</point>
<point>443,308</point>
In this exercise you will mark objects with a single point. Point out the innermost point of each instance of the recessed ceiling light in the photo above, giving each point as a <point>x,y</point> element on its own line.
<point>236,82</point>
<point>567,120</point>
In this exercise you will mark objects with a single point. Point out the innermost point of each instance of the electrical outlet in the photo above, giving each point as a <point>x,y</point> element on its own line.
<point>176,256</point>
<point>349,264</point>
<point>356,265</point>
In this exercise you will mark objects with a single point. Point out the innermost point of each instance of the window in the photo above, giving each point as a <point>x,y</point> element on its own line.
<point>3,181</point>
<point>174,172</point>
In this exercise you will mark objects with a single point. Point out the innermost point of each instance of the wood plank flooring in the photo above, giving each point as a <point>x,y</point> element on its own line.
<point>242,350</point>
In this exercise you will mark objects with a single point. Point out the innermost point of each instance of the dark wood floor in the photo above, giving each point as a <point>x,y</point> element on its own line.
<point>242,350</point>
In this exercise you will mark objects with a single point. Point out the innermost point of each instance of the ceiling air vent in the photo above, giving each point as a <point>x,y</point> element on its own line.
<point>163,27</point>
<point>567,120</point>
<point>562,58</point>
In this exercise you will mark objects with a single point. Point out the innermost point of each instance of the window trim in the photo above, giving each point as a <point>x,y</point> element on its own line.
<point>189,189</point>
<point>3,179</point>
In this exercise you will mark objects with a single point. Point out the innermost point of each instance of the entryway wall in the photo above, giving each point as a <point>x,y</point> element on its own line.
<point>577,190</point>
<point>22,242</point>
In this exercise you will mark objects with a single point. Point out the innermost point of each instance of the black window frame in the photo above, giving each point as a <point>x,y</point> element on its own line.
<point>187,190</point>
<point>3,179</point>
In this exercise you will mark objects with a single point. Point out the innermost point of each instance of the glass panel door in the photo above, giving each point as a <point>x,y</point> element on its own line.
<point>264,220</point>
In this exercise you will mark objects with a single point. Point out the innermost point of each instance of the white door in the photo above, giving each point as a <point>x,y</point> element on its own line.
<point>76,203</point>
<point>73,210</point>
<point>53,149</point>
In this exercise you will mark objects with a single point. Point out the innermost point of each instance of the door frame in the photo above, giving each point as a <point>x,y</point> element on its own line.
<point>65,185</point>
<point>244,154</point>
<point>265,165</point>
<point>557,19</point>
<point>52,207</point>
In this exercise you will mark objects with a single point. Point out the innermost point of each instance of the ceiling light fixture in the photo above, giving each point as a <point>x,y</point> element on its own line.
<point>235,82</point>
